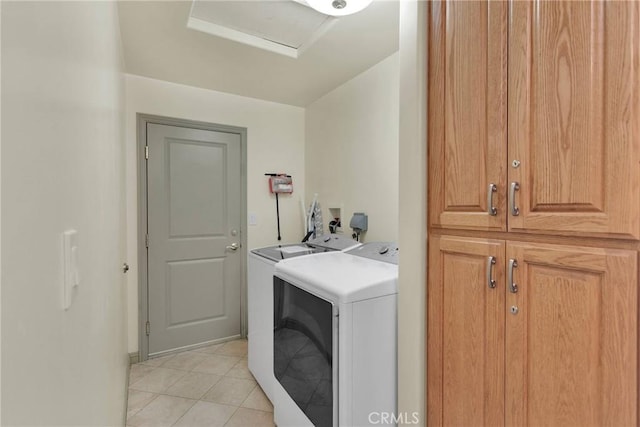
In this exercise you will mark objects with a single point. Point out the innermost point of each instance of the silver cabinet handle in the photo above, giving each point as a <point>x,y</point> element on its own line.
<point>515,211</point>
<point>491,261</point>
<point>233,247</point>
<point>491,210</point>
<point>513,288</point>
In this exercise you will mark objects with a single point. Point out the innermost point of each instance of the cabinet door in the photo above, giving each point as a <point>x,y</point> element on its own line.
<point>571,348</point>
<point>467,114</point>
<point>465,333</point>
<point>574,121</point>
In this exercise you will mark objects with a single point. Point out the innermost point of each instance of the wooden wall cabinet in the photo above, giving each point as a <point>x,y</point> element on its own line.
<point>534,185</point>
<point>562,122</point>
<point>571,348</point>
<point>465,327</point>
<point>467,115</point>
<point>559,351</point>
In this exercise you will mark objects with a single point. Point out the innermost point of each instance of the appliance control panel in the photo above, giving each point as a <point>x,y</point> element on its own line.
<point>379,251</point>
<point>332,241</point>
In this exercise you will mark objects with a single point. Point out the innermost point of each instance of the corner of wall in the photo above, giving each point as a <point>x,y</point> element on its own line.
<point>412,271</point>
<point>61,169</point>
<point>1,423</point>
<point>351,156</point>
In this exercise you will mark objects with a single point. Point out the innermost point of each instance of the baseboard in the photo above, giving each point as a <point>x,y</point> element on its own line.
<point>192,347</point>
<point>126,392</point>
<point>134,358</point>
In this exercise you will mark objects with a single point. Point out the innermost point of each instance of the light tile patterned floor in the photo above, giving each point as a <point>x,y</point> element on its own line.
<point>206,387</point>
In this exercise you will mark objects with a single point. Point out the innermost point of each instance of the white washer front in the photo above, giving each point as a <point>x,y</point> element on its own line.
<point>260,316</point>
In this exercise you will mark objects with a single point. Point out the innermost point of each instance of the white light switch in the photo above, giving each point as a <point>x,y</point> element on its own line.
<point>253,218</point>
<point>71,275</point>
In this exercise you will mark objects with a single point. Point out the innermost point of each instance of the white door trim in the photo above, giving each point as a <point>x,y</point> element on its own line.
<point>143,301</point>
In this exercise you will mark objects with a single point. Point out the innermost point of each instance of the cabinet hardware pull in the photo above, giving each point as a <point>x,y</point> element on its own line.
<point>490,208</point>
<point>513,288</point>
<point>515,211</point>
<point>491,261</point>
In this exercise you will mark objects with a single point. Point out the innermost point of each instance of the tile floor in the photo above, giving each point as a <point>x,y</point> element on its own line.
<point>208,387</point>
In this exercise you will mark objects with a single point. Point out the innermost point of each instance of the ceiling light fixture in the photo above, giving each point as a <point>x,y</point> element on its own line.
<point>338,7</point>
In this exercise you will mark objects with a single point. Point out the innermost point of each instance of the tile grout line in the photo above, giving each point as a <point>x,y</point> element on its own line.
<point>185,413</point>
<point>234,412</point>
<point>245,399</point>
<point>140,409</point>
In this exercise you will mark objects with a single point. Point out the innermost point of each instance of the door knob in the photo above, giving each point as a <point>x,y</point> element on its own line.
<point>233,247</point>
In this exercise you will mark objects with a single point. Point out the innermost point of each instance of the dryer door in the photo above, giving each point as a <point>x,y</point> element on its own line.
<point>305,340</point>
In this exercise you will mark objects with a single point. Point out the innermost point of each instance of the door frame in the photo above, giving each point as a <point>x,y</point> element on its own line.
<point>143,263</point>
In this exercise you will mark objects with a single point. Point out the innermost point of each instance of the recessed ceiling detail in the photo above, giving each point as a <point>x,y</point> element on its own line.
<point>159,45</point>
<point>286,27</point>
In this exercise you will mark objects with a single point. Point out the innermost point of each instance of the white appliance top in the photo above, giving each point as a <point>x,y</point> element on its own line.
<point>324,243</point>
<point>337,242</point>
<point>340,277</point>
<point>379,251</point>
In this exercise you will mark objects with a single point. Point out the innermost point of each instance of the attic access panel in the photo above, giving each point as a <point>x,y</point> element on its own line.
<point>286,27</point>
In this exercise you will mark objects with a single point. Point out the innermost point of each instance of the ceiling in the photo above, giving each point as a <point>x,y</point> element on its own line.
<point>158,44</point>
<point>285,27</point>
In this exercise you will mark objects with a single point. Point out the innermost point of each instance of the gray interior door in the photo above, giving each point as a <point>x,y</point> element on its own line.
<point>194,211</point>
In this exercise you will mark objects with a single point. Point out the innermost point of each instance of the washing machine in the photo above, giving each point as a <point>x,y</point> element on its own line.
<point>335,337</point>
<point>261,263</point>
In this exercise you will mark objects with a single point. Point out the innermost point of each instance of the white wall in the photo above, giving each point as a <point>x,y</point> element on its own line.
<point>62,147</point>
<point>275,143</point>
<point>413,200</point>
<point>352,150</point>
<point>0,218</point>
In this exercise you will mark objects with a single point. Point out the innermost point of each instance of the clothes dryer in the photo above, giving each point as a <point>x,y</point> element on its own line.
<point>335,337</point>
